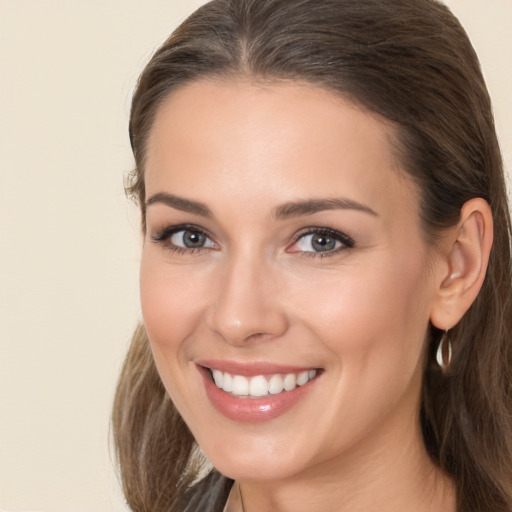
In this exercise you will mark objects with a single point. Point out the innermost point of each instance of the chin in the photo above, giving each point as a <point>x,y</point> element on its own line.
<point>244,467</point>
<point>255,458</point>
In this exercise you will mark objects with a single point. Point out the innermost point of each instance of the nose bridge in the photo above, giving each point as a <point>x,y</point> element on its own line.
<point>247,306</point>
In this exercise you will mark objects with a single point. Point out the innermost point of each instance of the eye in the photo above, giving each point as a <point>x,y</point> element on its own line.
<point>323,241</point>
<point>184,238</point>
<point>190,239</point>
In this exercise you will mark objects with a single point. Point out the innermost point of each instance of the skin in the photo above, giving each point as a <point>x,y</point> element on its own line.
<point>259,292</point>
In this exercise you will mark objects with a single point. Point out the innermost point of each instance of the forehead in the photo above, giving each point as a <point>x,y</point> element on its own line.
<point>276,139</point>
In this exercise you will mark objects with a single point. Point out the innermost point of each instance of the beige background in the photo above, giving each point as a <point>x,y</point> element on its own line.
<point>69,240</point>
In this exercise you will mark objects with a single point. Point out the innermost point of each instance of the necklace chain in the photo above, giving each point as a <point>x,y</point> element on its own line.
<point>241,499</point>
<point>239,507</point>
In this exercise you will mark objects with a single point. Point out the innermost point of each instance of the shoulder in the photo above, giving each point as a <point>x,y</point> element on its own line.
<point>208,495</point>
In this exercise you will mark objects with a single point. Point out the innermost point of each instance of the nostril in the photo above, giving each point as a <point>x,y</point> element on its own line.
<point>259,336</point>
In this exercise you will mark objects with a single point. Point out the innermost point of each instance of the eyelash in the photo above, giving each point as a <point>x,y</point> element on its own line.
<point>163,237</point>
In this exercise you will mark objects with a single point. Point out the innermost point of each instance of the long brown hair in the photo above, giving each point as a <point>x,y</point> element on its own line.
<point>411,62</point>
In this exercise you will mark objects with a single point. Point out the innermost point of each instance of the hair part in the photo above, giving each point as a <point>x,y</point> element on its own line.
<point>410,62</point>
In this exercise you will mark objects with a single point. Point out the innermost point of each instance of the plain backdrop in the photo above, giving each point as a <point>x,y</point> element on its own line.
<point>69,241</point>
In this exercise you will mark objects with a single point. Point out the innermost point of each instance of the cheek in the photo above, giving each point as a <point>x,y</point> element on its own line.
<point>369,314</point>
<point>170,304</point>
<point>372,324</point>
<point>171,309</point>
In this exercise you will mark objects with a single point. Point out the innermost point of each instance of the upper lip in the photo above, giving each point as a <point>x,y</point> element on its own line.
<point>251,368</point>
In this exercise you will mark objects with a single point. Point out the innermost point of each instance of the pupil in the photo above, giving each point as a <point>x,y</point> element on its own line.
<point>323,243</point>
<point>193,239</point>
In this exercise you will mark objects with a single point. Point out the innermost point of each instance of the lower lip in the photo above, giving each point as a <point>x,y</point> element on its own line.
<point>252,410</point>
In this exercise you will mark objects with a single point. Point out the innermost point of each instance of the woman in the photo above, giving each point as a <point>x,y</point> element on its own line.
<point>320,186</point>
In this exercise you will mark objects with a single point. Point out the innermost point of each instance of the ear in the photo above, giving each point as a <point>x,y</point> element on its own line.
<point>464,256</point>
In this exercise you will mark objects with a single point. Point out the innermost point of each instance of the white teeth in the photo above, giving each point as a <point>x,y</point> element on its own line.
<point>302,378</point>
<point>290,381</point>
<point>227,383</point>
<point>259,385</point>
<point>275,384</point>
<point>240,385</point>
<point>218,378</point>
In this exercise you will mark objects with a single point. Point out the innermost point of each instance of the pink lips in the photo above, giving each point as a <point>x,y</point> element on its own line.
<point>245,409</point>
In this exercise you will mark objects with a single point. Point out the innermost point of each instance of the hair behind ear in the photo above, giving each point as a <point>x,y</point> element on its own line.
<point>466,411</point>
<point>154,447</point>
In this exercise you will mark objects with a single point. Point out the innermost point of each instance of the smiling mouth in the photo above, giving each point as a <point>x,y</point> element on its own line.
<point>259,386</point>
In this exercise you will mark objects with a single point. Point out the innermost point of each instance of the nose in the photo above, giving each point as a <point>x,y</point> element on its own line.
<point>247,305</point>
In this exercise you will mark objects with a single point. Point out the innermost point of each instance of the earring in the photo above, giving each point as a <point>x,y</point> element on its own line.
<point>444,352</point>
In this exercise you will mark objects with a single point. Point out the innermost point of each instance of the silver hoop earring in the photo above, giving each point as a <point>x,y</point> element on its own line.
<point>444,352</point>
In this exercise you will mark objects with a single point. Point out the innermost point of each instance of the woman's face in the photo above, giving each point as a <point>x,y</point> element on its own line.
<point>283,249</point>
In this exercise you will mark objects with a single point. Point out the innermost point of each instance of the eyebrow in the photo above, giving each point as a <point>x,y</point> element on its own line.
<point>179,203</point>
<point>311,206</point>
<point>283,212</point>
